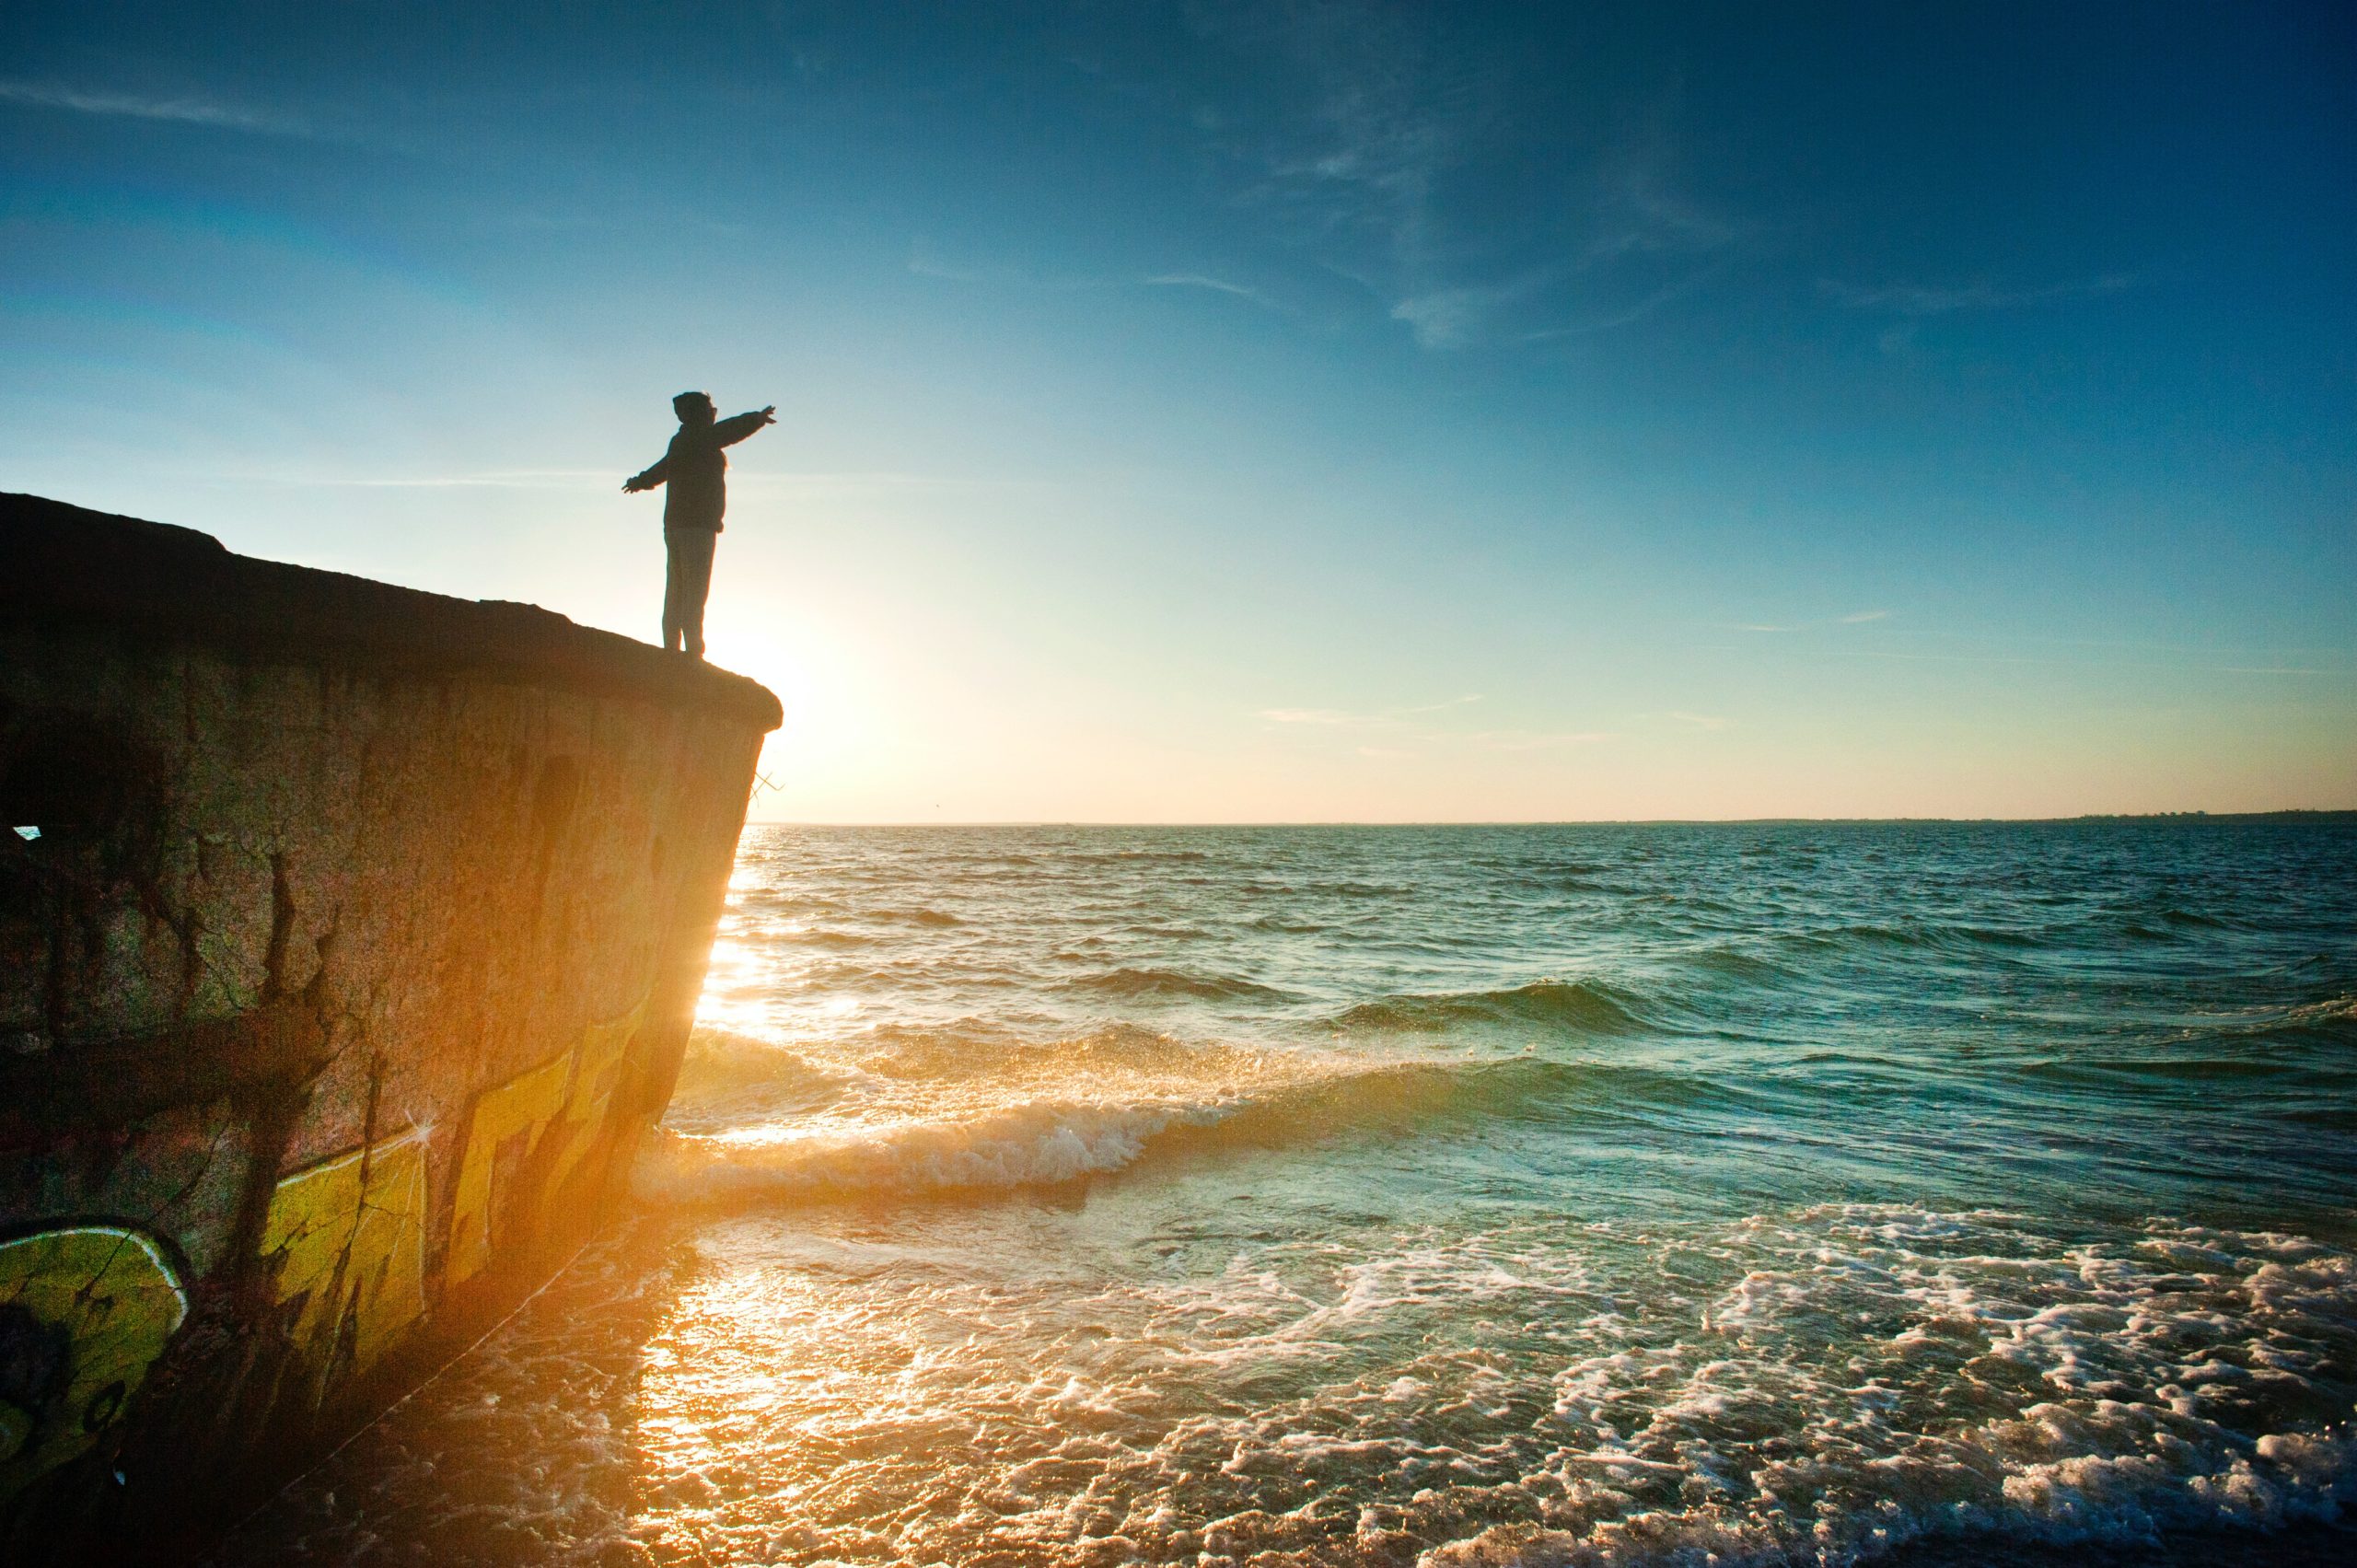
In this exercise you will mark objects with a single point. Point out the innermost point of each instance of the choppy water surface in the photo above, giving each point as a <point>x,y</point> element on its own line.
<point>1519,1195</point>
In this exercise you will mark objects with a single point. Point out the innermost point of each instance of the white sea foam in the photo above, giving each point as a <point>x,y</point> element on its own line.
<point>1817,1387</point>
<point>1867,1377</point>
<point>906,1114</point>
<point>1014,1146</point>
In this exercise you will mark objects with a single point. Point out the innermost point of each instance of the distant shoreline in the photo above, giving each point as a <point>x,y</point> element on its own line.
<point>2326,816</point>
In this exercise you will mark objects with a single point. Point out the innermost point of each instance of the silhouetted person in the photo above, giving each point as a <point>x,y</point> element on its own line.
<point>697,474</point>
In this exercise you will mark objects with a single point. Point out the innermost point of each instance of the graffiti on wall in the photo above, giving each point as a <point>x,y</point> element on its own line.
<point>84,1312</point>
<point>349,1237</point>
<point>544,1121</point>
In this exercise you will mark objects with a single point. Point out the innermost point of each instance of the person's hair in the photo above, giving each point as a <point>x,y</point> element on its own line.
<point>686,401</point>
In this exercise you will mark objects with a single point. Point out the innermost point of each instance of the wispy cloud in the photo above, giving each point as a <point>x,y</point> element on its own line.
<point>1625,315</point>
<point>925,261</point>
<point>863,480</point>
<point>1204,280</point>
<point>1649,242</point>
<point>741,482</point>
<point>2275,669</point>
<point>1391,150</point>
<point>2022,647</point>
<point>183,108</point>
<point>1378,716</point>
<point>1447,319</point>
<point>1926,299</point>
<point>1360,149</point>
<point>1391,731</point>
<point>1855,618</point>
<point>497,479</point>
<point>1534,739</point>
<point>2082,663</point>
<point>1914,303</point>
<point>1649,246</point>
<point>1454,318</point>
<point>1642,213</point>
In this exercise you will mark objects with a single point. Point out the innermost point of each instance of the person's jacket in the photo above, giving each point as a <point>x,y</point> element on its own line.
<point>696,472</point>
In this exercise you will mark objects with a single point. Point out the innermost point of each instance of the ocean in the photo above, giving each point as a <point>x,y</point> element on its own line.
<point>1666,1194</point>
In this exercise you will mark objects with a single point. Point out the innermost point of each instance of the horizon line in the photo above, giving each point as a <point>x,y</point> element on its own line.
<point>2193,814</point>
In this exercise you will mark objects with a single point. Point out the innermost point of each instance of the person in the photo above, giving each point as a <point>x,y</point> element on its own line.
<point>697,472</point>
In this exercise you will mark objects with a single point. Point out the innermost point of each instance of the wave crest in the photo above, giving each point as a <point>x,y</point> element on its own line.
<point>1581,1007</point>
<point>968,1113</point>
<point>1153,983</point>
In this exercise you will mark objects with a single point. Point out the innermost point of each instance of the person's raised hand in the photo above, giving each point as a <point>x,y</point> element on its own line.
<point>769,414</point>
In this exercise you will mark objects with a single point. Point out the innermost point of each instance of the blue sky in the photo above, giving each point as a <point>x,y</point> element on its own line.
<point>1263,412</point>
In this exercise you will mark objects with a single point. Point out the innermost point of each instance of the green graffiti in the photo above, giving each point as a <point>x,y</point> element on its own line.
<point>84,1312</point>
<point>349,1235</point>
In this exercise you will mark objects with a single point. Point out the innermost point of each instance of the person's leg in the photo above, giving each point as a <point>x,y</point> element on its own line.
<point>674,585</point>
<point>697,587</point>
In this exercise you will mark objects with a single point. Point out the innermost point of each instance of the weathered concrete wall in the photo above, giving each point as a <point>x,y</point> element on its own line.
<point>360,939</point>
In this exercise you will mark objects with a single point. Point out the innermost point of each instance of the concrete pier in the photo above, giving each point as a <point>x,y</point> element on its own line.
<point>349,938</point>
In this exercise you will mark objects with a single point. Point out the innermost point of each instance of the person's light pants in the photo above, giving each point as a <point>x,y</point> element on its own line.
<point>687,582</point>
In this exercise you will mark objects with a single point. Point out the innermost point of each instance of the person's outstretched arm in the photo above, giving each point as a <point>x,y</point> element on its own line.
<point>650,478</point>
<point>728,432</point>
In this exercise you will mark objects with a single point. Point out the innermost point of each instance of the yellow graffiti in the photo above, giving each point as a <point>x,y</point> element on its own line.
<point>521,1108</point>
<point>86,1311</point>
<point>349,1234</point>
<point>568,1097</point>
<point>600,1057</point>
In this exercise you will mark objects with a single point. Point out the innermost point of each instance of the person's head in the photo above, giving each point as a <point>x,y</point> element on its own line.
<point>695,407</point>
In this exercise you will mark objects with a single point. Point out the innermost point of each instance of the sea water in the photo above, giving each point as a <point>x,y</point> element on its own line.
<point>1644,1194</point>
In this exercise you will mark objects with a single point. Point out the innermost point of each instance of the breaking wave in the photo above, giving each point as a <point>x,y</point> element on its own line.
<point>1580,1005</point>
<point>1151,982</point>
<point>928,1112</point>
